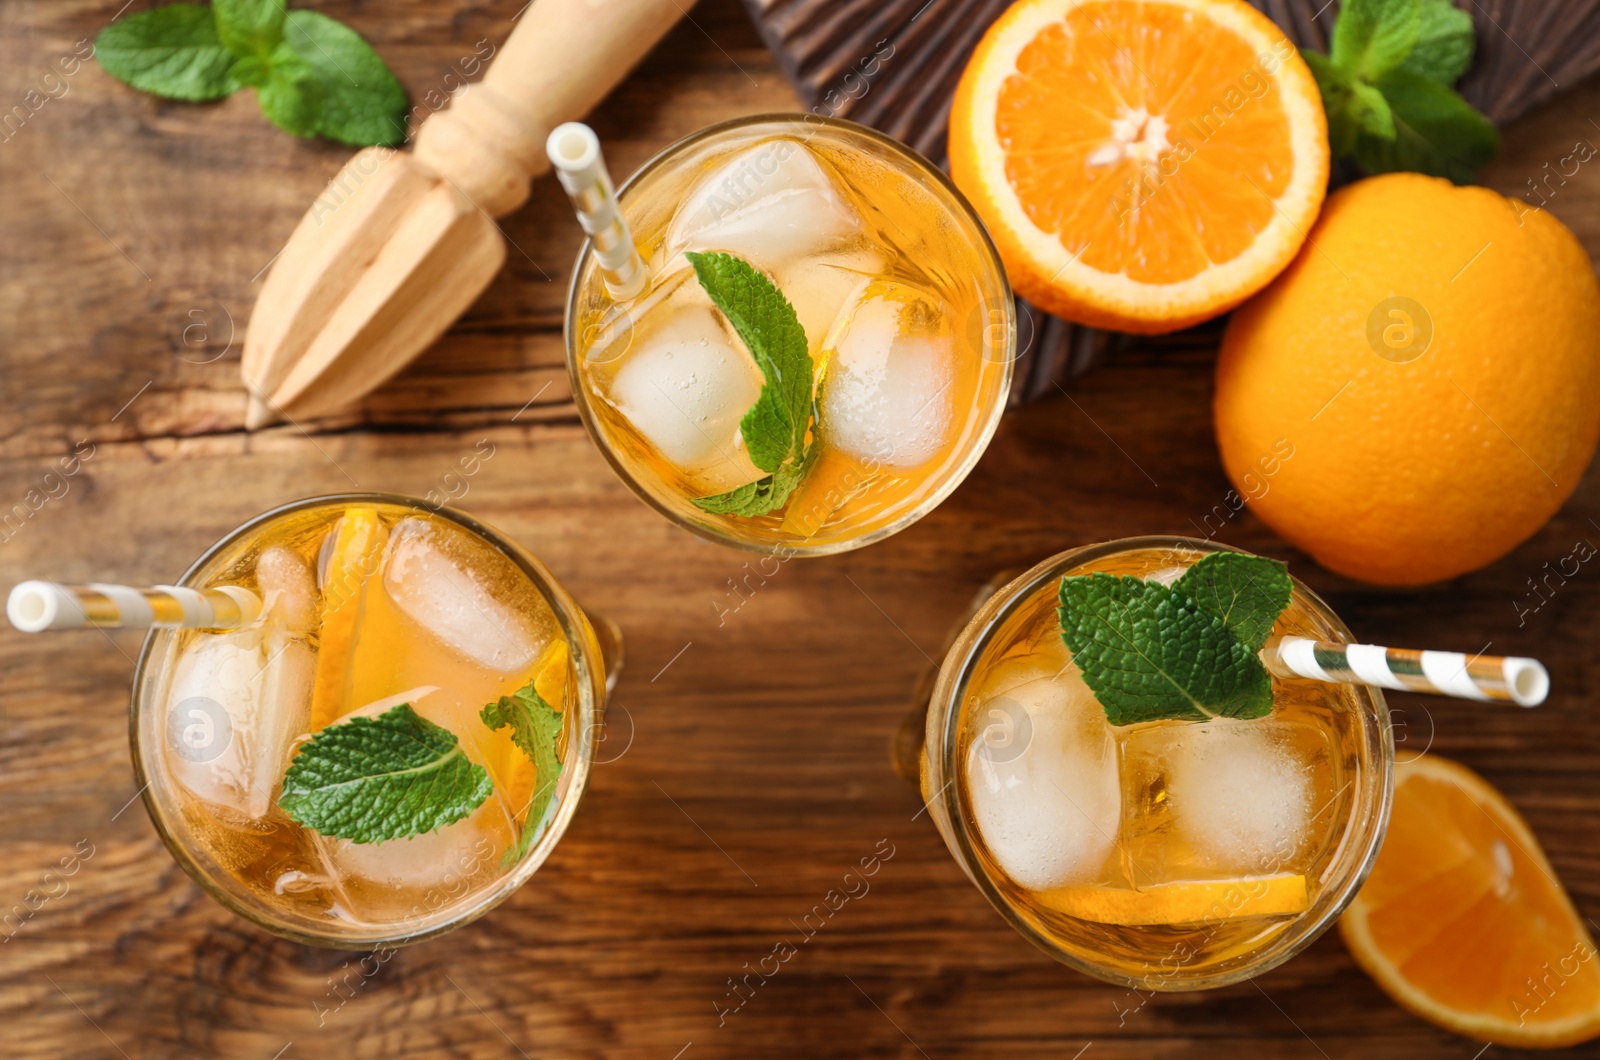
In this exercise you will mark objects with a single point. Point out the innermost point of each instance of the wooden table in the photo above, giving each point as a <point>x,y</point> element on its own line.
<point>749,757</point>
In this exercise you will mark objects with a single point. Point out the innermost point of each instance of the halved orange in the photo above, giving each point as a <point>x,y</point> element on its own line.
<point>1141,164</point>
<point>1463,921</point>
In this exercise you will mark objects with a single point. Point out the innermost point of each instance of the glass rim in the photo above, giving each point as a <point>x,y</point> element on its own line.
<point>581,644</point>
<point>986,248</point>
<point>950,691</point>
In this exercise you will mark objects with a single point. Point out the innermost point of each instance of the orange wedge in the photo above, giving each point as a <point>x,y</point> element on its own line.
<point>1182,903</point>
<point>1463,921</point>
<point>357,558</point>
<point>1141,164</point>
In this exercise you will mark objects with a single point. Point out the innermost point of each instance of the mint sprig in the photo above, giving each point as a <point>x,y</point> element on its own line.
<point>1386,88</point>
<point>1151,652</point>
<point>373,779</point>
<point>775,427</point>
<point>535,728</point>
<point>313,75</point>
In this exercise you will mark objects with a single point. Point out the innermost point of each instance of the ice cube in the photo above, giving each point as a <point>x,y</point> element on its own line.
<point>887,395</point>
<point>283,714</point>
<point>236,703</point>
<point>1042,775</point>
<point>818,290</point>
<point>684,386</point>
<point>611,334</point>
<point>1166,575</point>
<point>440,578</point>
<point>288,588</point>
<point>434,859</point>
<point>770,204</point>
<point>1223,798</point>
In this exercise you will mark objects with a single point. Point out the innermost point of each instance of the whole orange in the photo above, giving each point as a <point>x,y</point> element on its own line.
<point>1420,390</point>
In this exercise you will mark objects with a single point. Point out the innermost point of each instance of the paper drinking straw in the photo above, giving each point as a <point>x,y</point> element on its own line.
<point>574,151</point>
<point>1524,682</point>
<point>35,606</point>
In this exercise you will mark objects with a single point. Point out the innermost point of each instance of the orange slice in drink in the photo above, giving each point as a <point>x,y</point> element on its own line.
<point>1463,921</point>
<point>356,559</point>
<point>1141,164</point>
<point>550,674</point>
<point>1184,902</point>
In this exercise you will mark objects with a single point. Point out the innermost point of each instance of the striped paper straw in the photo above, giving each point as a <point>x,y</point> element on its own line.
<point>574,151</point>
<point>35,606</point>
<point>1524,682</point>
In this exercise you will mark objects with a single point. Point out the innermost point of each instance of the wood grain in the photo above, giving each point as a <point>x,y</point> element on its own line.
<point>749,759</point>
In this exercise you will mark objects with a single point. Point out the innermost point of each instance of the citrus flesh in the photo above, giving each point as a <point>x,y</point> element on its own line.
<point>1141,165</point>
<point>1463,922</point>
<point>1415,395</point>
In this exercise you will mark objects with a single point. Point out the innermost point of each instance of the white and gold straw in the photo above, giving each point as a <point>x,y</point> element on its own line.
<point>36,606</point>
<point>574,151</point>
<point>1524,682</point>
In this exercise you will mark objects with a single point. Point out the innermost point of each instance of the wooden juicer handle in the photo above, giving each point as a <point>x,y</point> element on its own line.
<point>562,58</point>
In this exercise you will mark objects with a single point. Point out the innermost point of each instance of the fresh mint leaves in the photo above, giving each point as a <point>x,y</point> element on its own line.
<point>1386,88</point>
<point>389,777</point>
<point>398,775</point>
<point>313,75</point>
<point>775,427</point>
<point>1188,652</point>
<point>535,729</point>
<point>1247,592</point>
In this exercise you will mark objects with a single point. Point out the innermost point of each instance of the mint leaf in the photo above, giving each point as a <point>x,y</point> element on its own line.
<point>1373,37</point>
<point>776,424</point>
<point>360,101</point>
<point>766,494</point>
<point>291,96</point>
<point>389,777</point>
<point>1445,40</point>
<point>1247,592</point>
<point>249,27</point>
<point>173,52</point>
<point>1436,131</point>
<point>1338,87</point>
<point>535,728</point>
<point>1352,105</point>
<point>251,70</point>
<point>1150,653</point>
<point>774,429</point>
<point>1371,111</point>
<point>1386,89</point>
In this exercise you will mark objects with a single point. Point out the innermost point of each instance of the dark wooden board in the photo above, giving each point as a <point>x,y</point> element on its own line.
<point>758,769</point>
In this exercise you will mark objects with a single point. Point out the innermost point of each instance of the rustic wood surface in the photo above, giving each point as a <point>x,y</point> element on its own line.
<point>749,756</point>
